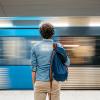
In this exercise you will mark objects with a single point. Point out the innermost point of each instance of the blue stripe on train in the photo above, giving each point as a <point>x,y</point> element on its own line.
<point>20,77</point>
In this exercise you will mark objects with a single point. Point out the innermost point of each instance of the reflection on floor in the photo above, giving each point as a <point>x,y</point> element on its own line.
<point>65,95</point>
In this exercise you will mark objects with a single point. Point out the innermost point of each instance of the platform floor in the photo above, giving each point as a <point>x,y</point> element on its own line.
<point>65,95</point>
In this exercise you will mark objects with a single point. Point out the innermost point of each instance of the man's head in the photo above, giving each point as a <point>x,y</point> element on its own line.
<point>46,30</point>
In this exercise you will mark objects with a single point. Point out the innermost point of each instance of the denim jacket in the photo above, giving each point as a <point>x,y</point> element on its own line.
<point>40,59</point>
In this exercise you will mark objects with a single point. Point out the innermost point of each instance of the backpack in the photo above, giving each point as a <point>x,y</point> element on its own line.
<point>58,67</point>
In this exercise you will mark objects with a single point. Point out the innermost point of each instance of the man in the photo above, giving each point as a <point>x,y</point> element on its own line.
<point>41,53</point>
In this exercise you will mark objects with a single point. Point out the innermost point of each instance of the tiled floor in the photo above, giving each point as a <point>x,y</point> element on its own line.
<point>65,95</point>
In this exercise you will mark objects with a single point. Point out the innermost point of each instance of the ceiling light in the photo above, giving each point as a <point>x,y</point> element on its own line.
<point>5,23</point>
<point>94,24</point>
<point>75,46</point>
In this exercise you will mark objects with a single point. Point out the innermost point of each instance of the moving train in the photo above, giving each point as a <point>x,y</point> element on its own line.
<point>19,34</point>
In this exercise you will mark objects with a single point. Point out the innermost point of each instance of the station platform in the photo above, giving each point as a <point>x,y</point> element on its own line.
<point>65,95</point>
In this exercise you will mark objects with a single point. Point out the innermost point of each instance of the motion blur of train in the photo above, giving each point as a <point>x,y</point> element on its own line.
<point>78,35</point>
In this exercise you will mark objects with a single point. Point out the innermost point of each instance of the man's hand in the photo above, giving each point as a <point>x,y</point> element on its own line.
<point>33,76</point>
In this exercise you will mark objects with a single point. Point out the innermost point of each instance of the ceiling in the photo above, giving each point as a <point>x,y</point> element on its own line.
<point>10,8</point>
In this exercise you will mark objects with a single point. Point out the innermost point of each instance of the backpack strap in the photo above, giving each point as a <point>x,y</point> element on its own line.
<point>54,45</point>
<point>51,78</point>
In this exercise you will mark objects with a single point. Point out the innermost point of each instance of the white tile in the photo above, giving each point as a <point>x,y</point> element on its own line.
<point>65,95</point>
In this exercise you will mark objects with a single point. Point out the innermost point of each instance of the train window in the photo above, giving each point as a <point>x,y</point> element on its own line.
<point>82,50</point>
<point>16,50</point>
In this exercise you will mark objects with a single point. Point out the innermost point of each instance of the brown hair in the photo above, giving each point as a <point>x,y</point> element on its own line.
<point>47,30</point>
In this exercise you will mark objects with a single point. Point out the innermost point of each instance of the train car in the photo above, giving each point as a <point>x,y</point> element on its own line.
<point>19,34</point>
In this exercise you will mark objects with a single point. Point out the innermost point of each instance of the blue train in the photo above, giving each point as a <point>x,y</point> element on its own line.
<point>19,34</point>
